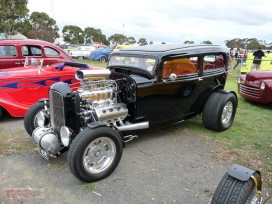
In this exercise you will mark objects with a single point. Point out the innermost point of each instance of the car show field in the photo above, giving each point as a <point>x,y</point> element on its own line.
<point>182,163</point>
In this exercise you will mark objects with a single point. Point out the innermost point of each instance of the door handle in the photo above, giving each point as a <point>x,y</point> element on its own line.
<point>18,63</point>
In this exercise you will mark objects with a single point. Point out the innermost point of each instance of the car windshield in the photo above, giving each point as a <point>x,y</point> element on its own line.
<point>139,62</point>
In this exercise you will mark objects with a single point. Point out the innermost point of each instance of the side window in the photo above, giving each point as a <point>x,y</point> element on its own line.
<point>8,51</point>
<point>213,62</point>
<point>180,66</point>
<point>30,50</point>
<point>51,52</point>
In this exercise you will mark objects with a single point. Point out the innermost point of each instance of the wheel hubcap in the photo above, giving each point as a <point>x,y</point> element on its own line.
<point>227,112</point>
<point>99,155</point>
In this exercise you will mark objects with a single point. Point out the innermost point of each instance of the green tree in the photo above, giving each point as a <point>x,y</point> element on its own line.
<point>253,44</point>
<point>117,39</point>
<point>131,40</point>
<point>236,42</point>
<point>73,34</point>
<point>42,27</point>
<point>189,42</point>
<point>92,35</point>
<point>12,12</point>
<point>151,43</point>
<point>207,42</point>
<point>163,43</point>
<point>142,41</point>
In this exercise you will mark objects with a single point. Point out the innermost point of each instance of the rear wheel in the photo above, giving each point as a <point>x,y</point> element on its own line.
<point>103,59</point>
<point>80,58</point>
<point>233,191</point>
<point>95,153</point>
<point>219,111</point>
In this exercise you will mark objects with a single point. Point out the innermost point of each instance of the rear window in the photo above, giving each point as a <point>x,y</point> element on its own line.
<point>51,52</point>
<point>7,51</point>
<point>213,62</point>
<point>31,50</point>
<point>180,66</point>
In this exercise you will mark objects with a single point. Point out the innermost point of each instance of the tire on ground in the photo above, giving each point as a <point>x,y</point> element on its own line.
<point>30,122</point>
<point>233,191</point>
<point>86,147</point>
<point>219,111</point>
<point>103,59</point>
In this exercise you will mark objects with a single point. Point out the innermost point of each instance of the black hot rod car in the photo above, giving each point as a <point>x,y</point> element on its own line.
<point>142,88</point>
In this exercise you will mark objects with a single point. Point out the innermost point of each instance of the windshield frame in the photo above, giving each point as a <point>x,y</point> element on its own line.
<point>130,61</point>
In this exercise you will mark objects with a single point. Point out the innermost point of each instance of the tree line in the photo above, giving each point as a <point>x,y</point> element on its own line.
<point>14,17</point>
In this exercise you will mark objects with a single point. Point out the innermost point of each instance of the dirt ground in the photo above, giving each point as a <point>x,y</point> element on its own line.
<point>160,167</point>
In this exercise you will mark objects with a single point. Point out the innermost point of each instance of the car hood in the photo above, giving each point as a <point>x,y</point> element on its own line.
<point>256,75</point>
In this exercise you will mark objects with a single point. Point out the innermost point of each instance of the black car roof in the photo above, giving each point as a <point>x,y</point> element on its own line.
<point>169,49</point>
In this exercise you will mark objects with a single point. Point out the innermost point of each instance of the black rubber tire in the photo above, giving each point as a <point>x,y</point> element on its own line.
<point>233,191</point>
<point>81,58</point>
<point>213,109</point>
<point>103,59</point>
<point>1,111</point>
<point>79,145</point>
<point>29,119</point>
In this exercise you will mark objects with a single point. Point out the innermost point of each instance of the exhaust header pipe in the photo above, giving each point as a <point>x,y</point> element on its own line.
<point>136,126</point>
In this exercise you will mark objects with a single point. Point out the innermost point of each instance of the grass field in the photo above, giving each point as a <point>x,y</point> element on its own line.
<point>248,141</point>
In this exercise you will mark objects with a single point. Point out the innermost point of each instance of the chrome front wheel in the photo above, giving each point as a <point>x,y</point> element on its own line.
<point>99,155</point>
<point>95,153</point>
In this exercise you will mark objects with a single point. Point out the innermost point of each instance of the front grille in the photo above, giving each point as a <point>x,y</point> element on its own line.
<point>57,115</point>
<point>249,90</point>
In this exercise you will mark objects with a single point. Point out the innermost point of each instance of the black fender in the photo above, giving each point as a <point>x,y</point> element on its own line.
<point>244,173</point>
<point>224,91</point>
<point>96,124</point>
<point>198,105</point>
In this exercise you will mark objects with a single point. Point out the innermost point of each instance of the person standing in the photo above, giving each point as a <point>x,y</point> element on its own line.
<point>239,57</point>
<point>258,54</point>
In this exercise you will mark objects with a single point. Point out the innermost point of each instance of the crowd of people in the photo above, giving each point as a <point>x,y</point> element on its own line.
<point>241,57</point>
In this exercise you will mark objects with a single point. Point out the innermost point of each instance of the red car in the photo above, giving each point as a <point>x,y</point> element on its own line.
<point>14,52</point>
<point>256,86</point>
<point>23,86</point>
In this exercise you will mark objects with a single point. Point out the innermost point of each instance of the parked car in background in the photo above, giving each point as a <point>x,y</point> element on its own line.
<point>120,47</point>
<point>153,86</point>
<point>23,86</point>
<point>82,52</point>
<point>266,63</point>
<point>14,52</point>
<point>256,86</point>
<point>101,55</point>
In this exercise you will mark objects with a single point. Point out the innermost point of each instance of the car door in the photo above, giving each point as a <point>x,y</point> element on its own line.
<point>180,85</point>
<point>9,56</point>
<point>17,84</point>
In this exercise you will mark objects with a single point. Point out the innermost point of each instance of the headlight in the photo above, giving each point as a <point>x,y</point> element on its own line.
<point>65,135</point>
<point>239,80</point>
<point>40,118</point>
<point>262,87</point>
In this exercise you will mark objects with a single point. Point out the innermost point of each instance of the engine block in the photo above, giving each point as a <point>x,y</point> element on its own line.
<point>99,96</point>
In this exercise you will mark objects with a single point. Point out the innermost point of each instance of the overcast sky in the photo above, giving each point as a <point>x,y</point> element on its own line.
<point>170,21</point>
